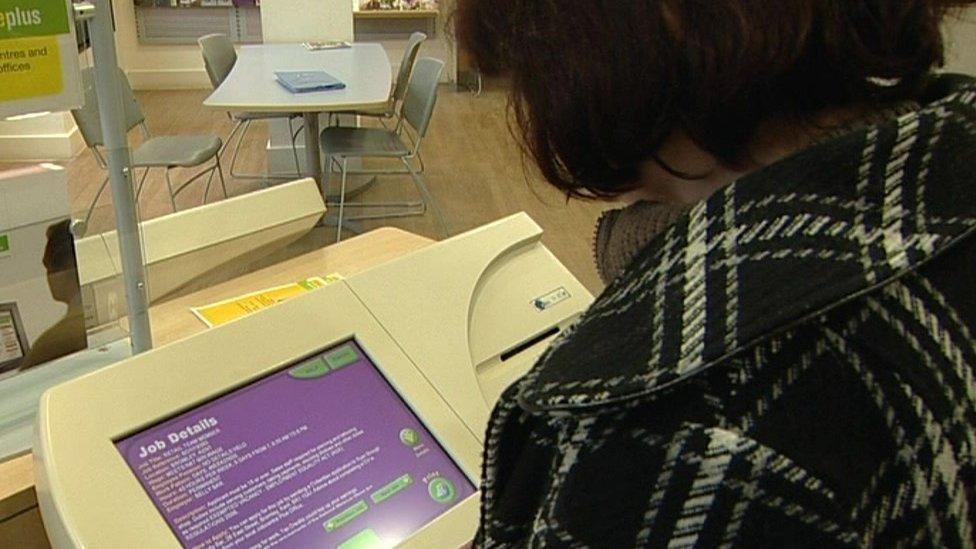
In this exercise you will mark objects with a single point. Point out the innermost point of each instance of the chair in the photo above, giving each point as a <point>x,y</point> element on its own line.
<point>167,152</point>
<point>400,85</point>
<point>390,110</point>
<point>219,58</point>
<point>341,143</point>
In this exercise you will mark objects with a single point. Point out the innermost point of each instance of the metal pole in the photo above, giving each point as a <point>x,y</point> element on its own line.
<point>110,107</point>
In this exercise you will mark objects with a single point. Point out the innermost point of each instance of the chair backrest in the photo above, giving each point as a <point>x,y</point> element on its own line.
<point>218,56</point>
<point>306,20</point>
<point>88,118</point>
<point>418,103</point>
<point>406,65</point>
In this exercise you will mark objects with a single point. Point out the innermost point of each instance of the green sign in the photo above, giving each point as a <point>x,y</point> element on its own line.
<point>38,57</point>
<point>25,18</point>
<point>4,244</point>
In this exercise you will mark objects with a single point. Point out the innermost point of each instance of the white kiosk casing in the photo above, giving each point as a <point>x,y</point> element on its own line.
<point>187,244</point>
<point>445,325</point>
<point>475,310</point>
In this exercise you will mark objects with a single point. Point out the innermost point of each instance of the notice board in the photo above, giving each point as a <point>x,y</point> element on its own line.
<point>38,57</point>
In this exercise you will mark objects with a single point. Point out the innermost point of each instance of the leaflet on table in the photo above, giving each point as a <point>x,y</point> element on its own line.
<point>329,45</point>
<point>223,312</point>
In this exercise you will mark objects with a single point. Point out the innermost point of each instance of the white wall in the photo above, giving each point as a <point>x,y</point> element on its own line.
<point>961,40</point>
<point>155,67</point>
<point>46,137</point>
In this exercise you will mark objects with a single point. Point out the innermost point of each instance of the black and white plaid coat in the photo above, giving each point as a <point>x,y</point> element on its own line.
<point>789,365</point>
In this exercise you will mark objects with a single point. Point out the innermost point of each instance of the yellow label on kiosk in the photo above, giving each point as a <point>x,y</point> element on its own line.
<point>225,311</point>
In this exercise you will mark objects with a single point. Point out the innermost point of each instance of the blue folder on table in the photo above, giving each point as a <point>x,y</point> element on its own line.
<point>308,81</point>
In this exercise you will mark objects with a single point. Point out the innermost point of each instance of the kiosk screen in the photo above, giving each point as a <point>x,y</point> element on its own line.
<point>323,453</point>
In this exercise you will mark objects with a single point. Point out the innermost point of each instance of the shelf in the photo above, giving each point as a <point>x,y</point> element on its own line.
<point>163,24</point>
<point>153,4</point>
<point>357,14</point>
<point>395,14</point>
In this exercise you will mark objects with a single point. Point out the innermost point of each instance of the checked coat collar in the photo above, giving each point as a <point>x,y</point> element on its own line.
<point>779,247</point>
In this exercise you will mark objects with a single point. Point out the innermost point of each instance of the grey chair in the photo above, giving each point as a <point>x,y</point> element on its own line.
<point>219,58</point>
<point>167,152</point>
<point>339,144</point>
<point>391,109</point>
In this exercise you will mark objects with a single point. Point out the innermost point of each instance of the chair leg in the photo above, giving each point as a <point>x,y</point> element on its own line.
<point>326,177</point>
<point>419,182</point>
<point>91,209</point>
<point>142,182</point>
<point>265,178</point>
<point>206,189</point>
<point>237,149</point>
<point>209,171</point>
<point>172,195</point>
<point>220,173</point>
<point>213,170</point>
<point>294,150</point>
<point>420,169</point>
<point>342,201</point>
<point>230,137</point>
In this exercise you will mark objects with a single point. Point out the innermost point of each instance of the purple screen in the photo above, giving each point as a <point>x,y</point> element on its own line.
<point>321,454</point>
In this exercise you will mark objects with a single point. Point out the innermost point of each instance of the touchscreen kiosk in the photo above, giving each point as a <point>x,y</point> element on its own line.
<point>351,416</point>
<point>322,453</point>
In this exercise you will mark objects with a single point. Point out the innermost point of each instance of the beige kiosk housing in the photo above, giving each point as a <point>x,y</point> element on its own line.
<point>448,326</point>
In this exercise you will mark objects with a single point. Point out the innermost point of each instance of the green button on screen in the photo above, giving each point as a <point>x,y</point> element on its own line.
<point>409,437</point>
<point>441,490</point>
<point>391,489</point>
<point>345,517</point>
<point>367,539</point>
<point>310,370</point>
<point>341,357</point>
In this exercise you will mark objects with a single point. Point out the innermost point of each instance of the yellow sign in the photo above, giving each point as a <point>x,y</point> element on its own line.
<point>30,67</point>
<point>38,57</point>
<point>225,311</point>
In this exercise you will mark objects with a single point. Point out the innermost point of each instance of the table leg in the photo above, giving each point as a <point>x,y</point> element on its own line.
<point>313,158</point>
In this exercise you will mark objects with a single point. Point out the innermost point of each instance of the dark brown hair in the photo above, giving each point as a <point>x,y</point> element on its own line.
<point>598,85</point>
<point>59,252</point>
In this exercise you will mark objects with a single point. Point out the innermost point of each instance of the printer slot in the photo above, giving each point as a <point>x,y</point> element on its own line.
<point>529,343</point>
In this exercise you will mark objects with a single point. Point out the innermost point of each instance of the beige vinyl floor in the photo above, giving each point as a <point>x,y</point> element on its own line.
<point>474,169</point>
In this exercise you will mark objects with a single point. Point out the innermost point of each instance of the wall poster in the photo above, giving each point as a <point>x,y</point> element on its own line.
<point>38,57</point>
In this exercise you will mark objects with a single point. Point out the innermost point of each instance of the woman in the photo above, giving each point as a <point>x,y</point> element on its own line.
<point>790,363</point>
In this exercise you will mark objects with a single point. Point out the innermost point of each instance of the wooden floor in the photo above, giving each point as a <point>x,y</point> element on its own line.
<point>473,169</point>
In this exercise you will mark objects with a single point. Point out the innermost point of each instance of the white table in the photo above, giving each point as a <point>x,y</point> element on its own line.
<point>251,86</point>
